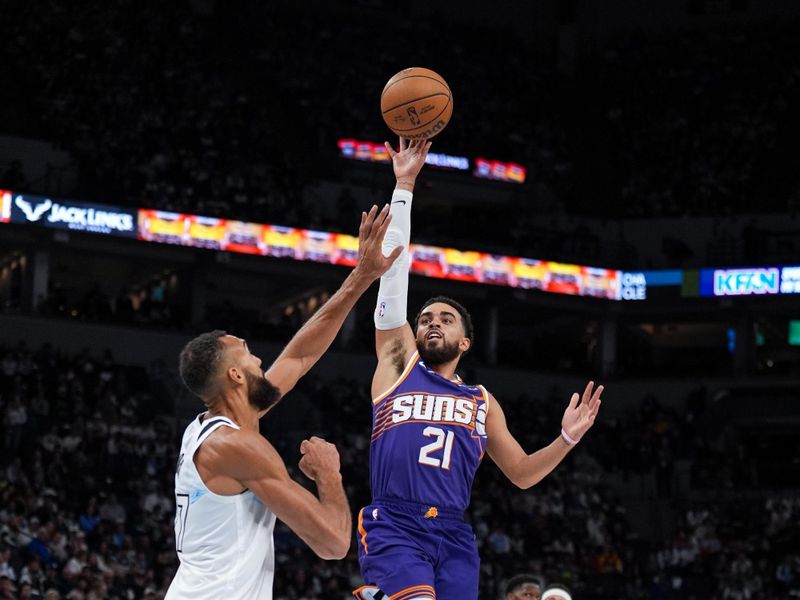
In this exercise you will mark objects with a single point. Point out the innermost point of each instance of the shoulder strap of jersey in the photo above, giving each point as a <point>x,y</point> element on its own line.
<point>208,427</point>
<point>211,425</point>
<point>485,396</point>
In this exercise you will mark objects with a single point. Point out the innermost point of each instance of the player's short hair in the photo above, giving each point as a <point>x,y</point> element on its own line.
<point>199,361</point>
<point>524,578</point>
<point>466,319</point>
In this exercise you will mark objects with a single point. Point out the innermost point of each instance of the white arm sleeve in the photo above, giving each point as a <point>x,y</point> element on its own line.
<point>391,311</point>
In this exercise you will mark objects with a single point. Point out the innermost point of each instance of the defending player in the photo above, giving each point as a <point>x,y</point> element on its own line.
<point>230,483</point>
<point>430,432</point>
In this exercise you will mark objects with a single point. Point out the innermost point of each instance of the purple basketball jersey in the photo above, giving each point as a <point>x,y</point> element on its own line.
<point>428,439</point>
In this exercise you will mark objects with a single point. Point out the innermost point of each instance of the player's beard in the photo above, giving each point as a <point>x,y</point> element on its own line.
<point>437,355</point>
<point>261,394</point>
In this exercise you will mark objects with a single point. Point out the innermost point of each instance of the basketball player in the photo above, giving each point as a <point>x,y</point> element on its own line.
<point>230,483</point>
<point>430,432</point>
<point>524,587</point>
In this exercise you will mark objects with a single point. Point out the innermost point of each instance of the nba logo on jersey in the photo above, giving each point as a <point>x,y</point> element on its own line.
<point>382,309</point>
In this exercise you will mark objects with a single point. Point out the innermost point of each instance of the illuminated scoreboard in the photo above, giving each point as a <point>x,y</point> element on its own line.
<point>480,167</point>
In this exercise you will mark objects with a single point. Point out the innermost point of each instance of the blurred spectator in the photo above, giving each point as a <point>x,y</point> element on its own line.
<point>524,587</point>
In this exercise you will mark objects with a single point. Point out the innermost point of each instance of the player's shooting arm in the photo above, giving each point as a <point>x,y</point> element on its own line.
<point>317,334</point>
<point>525,470</point>
<point>394,339</point>
<point>323,523</point>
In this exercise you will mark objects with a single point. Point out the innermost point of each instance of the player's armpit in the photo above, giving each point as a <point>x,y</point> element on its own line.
<point>391,342</point>
<point>250,459</point>
<point>394,347</point>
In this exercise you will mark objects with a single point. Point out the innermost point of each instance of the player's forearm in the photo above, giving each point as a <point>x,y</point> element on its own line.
<point>336,512</point>
<point>534,467</point>
<point>391,310</point>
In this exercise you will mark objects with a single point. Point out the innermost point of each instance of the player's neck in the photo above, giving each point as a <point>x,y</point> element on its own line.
<point>446,370</point>
<point>237,409</point>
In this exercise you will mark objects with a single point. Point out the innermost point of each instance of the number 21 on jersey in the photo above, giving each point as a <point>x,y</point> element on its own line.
<point>444,440</point>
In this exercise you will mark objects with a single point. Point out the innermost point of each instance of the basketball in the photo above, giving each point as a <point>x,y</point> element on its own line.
<point>417,103</point>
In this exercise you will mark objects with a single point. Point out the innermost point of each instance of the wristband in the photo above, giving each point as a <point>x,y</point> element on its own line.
<point>566,438</point>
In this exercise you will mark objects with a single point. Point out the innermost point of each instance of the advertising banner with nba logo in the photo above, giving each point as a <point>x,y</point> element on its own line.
<point>75,216</point>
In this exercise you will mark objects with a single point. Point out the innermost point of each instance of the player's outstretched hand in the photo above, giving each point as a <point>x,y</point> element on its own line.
<point>320,458</point>
<point>581,412</point>
<point>408,161</point>
<point>371,261</point>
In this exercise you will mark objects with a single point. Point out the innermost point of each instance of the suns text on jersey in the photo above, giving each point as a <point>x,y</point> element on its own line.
<point>445,409</point>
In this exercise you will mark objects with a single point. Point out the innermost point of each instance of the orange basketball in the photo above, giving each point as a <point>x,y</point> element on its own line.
<point>417,103</point>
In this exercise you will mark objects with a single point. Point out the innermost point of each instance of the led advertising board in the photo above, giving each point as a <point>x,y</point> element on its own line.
<point>213,233</point>
<point>69,214</point>
<point>740,282</point>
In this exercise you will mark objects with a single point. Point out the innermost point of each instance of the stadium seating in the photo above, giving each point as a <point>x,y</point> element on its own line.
<point>86,483</point>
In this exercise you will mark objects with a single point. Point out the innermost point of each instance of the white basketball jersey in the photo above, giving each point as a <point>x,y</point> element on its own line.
<point>224,543</point>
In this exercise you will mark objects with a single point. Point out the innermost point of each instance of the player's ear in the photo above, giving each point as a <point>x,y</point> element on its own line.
<point>465,344</point>
<point>235,375</point>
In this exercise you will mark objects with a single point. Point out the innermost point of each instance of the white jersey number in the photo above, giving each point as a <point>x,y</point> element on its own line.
<point>443,440</point>
<point>182,502</point>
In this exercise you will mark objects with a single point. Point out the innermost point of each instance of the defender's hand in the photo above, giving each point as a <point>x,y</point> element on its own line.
<point>579,417</point>
<point>409,160</point>
<point>320,458</point>
<point>371,261</point>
